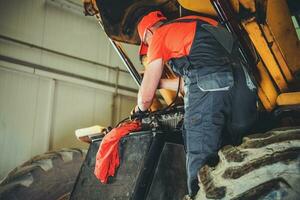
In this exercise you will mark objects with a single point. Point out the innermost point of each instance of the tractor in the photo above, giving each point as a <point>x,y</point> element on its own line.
<point>265,165</point>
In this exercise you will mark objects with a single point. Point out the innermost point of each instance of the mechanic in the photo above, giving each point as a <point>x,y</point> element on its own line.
<point>219,93</point>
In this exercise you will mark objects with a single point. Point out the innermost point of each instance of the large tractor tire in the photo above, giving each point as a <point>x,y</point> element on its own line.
<point>265,166</point>
<point>49,176</point>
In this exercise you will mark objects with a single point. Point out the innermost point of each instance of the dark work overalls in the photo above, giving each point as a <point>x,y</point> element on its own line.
<point>219,96</point>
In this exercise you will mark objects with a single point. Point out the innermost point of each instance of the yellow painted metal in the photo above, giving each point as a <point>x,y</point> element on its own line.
<point>281,27</point>
<point>235,5</point>
<point>204,6</point>
<point>266,90</point>
<point>155,105</point>
<point>201,6</point>
<point>264,100</point>
<point>277,53</point>
<point>248,4</point>
<point>292,98</point>
<point>168,95</point>
<point>263,49</point>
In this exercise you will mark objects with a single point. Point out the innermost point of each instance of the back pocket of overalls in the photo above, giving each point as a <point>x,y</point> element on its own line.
<point>219,81</point>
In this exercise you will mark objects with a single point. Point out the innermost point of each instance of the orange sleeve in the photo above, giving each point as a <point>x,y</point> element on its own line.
<point>155,49</point>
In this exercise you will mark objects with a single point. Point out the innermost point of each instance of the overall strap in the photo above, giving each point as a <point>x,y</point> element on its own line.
<point>204,20</point>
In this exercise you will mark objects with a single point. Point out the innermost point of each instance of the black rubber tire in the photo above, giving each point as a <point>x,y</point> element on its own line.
<point>265,166</point>
<point>47,176</point>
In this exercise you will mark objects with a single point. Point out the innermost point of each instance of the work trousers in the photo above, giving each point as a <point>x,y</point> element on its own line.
<point>214,103</point>
<point>219,97</point>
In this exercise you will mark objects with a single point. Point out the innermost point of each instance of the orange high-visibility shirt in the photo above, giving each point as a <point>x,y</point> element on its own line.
<point>174,40</point>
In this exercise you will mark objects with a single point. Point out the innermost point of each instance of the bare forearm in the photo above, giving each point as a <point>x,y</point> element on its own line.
<point>144,105</point>
<point>149,84</point>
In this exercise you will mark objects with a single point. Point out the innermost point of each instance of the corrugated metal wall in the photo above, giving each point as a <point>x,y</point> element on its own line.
<point>54,70</point>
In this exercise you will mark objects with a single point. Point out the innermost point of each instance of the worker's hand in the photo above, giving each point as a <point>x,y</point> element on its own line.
<point>136,113</point>
<point>134,110</point>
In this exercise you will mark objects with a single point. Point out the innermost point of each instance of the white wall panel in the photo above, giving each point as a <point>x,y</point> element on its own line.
<point>59,29</point>
<point>39,113</point>
<point>77,107</point>
<point>125,105</point>
<point>23,19</point>
<point>25,105</point>
<point>19,51</point>
<point>133,52</point>
<point>37,109</point>
<point>78,35</point>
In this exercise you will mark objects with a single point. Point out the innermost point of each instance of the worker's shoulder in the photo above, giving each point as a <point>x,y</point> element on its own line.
<point>176,27</point>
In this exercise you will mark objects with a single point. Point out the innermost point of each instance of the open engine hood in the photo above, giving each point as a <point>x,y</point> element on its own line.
<point>120,17</point>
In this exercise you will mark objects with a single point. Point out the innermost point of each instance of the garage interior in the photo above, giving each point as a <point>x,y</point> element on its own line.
<point>60,72</point>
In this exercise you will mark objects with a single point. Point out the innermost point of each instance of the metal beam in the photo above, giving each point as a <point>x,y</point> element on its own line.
<point>3,37</point>
<point>64,73</point>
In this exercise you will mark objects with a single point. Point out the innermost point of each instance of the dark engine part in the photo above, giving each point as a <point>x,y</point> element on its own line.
<point>152,167</point>
<point>170,120</point>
